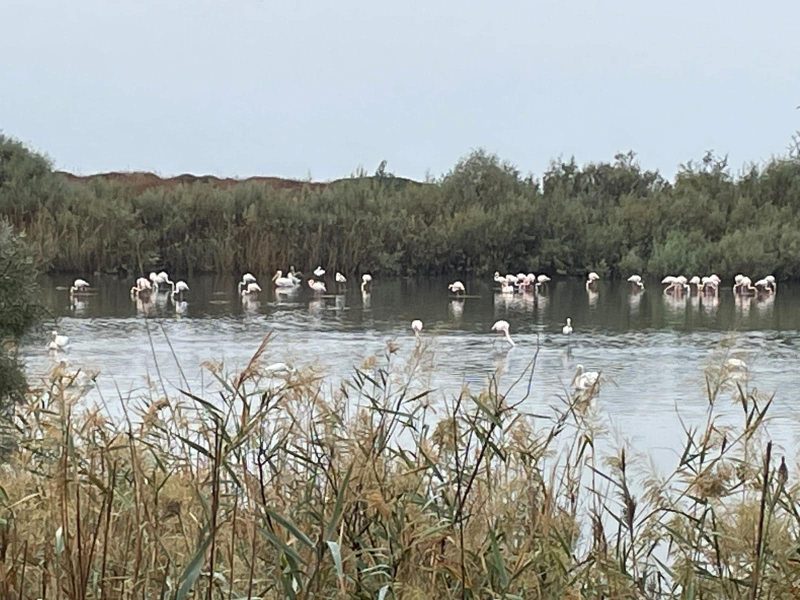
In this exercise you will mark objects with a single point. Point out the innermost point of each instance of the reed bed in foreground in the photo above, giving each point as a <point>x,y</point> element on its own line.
<point>287,487</point>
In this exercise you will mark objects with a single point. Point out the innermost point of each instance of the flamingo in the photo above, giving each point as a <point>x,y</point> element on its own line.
<point>340,278</point>
<point>591,279</point>
<point>246,278</point>
<point>179,288</point>
<point>78,286</point>
<point>251,289</point>
<point>636,280</point>
<point>284,282</point>
<point>499,278</point>
<point>745,287</point>
<point>317,286</point>
<point>737,282</point>
<point>319,272</point>
<point>735,364</point>
<point>584,380</point>
<point>530,282</point>
<point>542,280</point>
<point>456,287</point>
<point>366,283</point>
<point>503,327</point>
<point>58,342</point>
<point>142,287</point>
<point>675,283</point>
<point>771,280</point>
<point>416,326</point>
<point>164,278</point>
<point>567,329</point>
<point>279,368</point>
<point>507,288</point>
<point>767,284</point>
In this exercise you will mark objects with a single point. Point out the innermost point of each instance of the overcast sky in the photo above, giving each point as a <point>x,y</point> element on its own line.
<point>245,87</point>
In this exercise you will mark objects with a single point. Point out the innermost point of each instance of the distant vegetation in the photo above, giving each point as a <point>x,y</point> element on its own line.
<point>615,218</point>
<point>19,310</point>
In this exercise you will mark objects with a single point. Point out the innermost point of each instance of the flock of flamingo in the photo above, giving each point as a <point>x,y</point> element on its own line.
<point>248,287</point>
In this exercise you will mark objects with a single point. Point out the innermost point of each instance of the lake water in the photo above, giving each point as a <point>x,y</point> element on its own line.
<point>651,349</point>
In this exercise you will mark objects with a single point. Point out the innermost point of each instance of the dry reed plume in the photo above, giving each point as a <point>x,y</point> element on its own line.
<point>289,488</point>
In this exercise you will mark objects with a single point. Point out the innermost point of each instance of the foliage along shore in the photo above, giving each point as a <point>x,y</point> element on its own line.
<point>296,487</point>
<point>614,218</point>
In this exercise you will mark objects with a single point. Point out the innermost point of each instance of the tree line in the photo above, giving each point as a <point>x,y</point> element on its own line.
<point>612,217</point>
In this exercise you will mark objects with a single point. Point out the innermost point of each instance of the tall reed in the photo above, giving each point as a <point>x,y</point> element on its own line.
<point>294,486</point>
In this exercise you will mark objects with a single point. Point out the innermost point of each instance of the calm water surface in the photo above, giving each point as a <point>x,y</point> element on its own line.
<point>652,349</point>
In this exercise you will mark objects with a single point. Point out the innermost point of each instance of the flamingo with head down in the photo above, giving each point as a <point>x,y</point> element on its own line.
<point>503,327</point>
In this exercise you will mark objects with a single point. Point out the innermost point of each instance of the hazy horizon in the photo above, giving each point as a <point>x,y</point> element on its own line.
<point>299,91</point>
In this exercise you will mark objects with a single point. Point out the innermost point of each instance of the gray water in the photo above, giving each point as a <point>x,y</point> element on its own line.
<point>653,351</point>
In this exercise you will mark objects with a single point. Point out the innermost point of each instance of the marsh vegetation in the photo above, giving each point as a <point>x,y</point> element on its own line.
<point>291,487</point>
<point>613,217</point>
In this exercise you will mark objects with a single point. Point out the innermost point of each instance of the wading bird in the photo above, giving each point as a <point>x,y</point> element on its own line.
<point>457,288</point>
<point>58,342</point>
<point>503,327</point>
<point>317,286</point>
<point>567,329</point>
<point>143,287</point>
<point>78,286</point>
<point>416,326</point>
<point>584,380</point>
<point>246,279</point>
<point>591,279</point>
<point>283,282</point>
<point>366,283</point>
<point>179,288</point>
<point>636,280</point>
<point>319,272</point>
<point>251,289</point>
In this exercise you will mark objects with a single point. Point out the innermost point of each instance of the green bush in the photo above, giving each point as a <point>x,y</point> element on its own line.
<point>483,215</point>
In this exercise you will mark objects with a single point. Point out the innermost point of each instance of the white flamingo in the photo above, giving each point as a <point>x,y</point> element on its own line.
<point>499,278</point>
<point>284,282</point>
<point>179,288</point>
<point>744,287</point>
<point>636,280</point>
<point>366,283</point>
<point>767,284</point>
<point>164,278</point>
<point>584,380</point>
<point>279,369</point>
<point>251,289</point>
<point>503,327</point>
<point>591,279</point>
<point>246,278</point>
<point>416,326</point>
<point>675,284</point>
<point>457,288</point>
<point>341,279</point>
<point>79,286</point>
<point>317,286</point>
<point>58,342</point>
<point>507,288</point>
<point>542,280</point>
<point>319,272</point>
<point>567,329</point>
<point>142,287</point>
